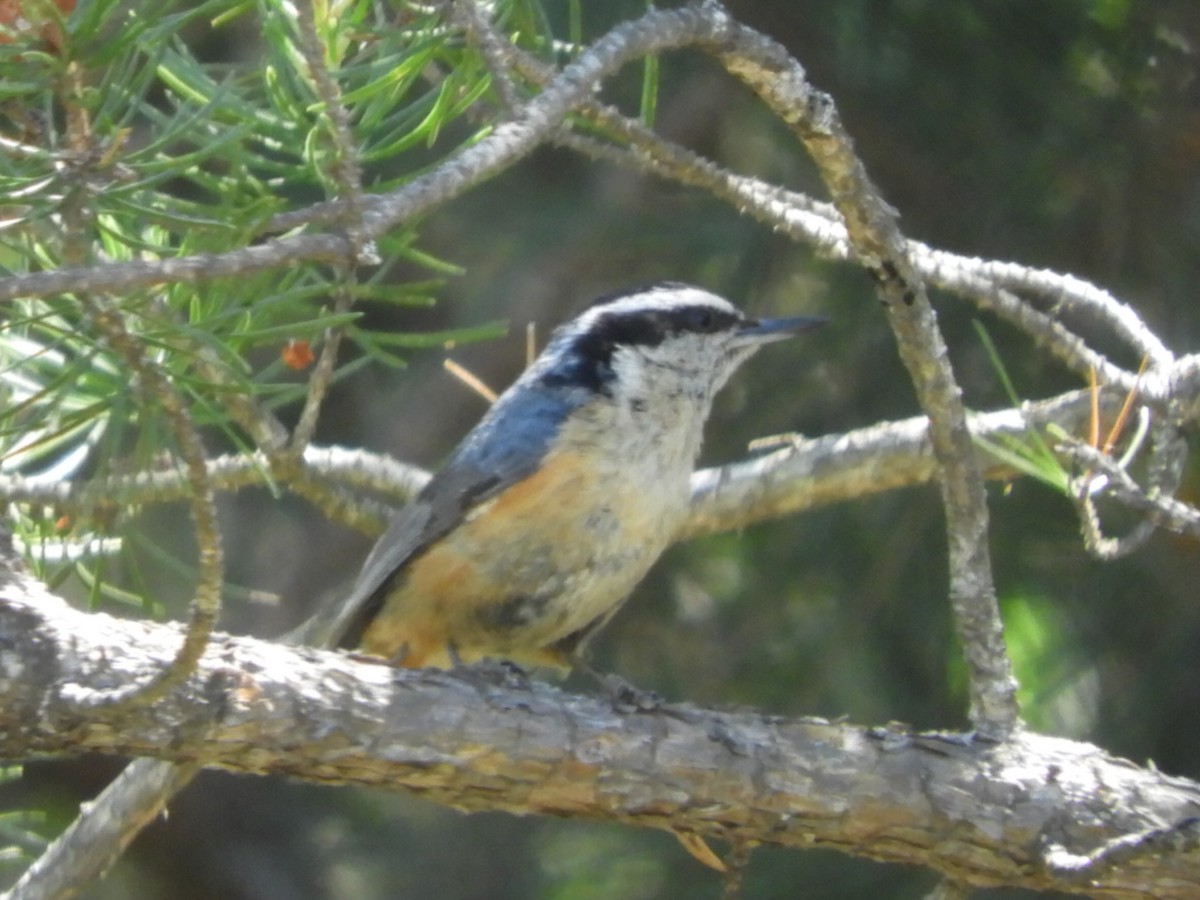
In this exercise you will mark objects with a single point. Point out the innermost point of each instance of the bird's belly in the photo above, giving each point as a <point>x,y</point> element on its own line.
<point>539,562</point>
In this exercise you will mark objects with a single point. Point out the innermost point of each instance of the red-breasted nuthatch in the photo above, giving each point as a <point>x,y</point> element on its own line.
<point>557,503</point>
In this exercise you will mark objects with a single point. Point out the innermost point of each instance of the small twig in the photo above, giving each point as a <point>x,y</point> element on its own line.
<point>347,173</point>
<point>1094,421</point>
<point>77,213</point>
<point>1168,449</point>
<point>468,15</point>
<point>337,504</point>
<point>323,371</point>
<point>206,603</point>
<point>346,170</point>
<point>1184,386</point>
<point>1118,425</point>
<point>127,277</point>
<point>530,343</point>
<point>470,379</point>
<point>93,842</point>
<point>736,863</point>
<point>1096,542</point>
<point>1164,511</point>
<point>966,277</point>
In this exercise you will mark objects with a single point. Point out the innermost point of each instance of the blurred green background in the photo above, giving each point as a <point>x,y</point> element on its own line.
<point>1058,134</point>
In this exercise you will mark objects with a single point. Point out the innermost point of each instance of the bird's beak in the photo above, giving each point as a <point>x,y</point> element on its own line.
<point>764,331</point>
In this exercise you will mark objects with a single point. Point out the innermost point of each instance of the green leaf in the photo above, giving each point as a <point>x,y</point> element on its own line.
<point>649,106</point>
<point>427,339</point>
<point>1031,456</point>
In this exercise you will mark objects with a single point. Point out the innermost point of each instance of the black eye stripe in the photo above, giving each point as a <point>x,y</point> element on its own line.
<point>592,350</point>
<point>707,320</point>
<point>651,327</point>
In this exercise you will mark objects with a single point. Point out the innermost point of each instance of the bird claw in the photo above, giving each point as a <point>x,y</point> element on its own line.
<point>496,672</point>
<point>626,698</point>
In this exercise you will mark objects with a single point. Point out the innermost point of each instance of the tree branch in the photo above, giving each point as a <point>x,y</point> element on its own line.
<point>978,812</point>
<point>92,843</point>
<point>873,232</point>
<point>109,320</point>
<point>807,473</point>
<point>812,472</point>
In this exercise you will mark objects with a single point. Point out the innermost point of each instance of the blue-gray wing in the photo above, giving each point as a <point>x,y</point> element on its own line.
<point>505,447</point>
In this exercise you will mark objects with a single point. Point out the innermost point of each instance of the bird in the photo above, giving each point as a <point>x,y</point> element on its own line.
<point>555,505</point>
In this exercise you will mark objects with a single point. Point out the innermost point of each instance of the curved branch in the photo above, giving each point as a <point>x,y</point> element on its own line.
<point>780,81</point>
<point>109,321</point>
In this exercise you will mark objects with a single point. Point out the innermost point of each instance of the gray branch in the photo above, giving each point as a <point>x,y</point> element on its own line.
<point>804,474</point>
<point>976,811</point>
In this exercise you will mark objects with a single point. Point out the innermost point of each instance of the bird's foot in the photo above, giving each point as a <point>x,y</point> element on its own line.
<point>625,697</point>
<point>494,672</point>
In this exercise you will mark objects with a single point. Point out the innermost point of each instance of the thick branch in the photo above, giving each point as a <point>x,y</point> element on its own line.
<point>978,812</point>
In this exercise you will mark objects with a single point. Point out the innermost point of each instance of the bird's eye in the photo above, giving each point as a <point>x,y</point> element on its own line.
<point>703,320</point>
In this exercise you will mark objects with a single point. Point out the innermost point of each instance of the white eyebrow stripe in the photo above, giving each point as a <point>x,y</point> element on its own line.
<point>664,298</point>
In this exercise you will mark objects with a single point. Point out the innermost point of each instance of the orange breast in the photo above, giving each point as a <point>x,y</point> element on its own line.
<point>505,549</point>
